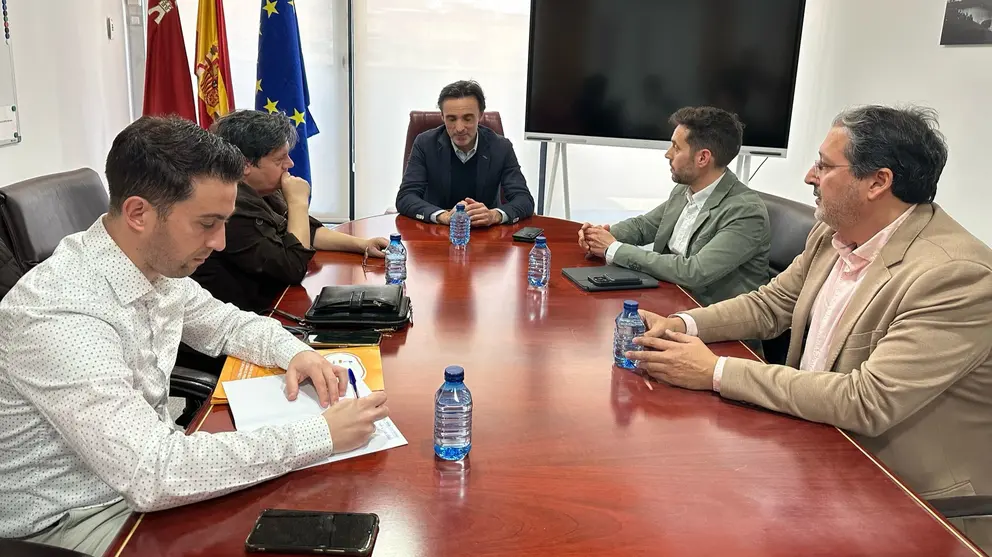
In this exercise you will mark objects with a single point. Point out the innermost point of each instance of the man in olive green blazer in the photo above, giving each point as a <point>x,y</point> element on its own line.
<point>890,307</point>
<point>712,236</point>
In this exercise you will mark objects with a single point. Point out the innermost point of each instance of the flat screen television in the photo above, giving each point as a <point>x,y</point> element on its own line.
<point>611,72</point>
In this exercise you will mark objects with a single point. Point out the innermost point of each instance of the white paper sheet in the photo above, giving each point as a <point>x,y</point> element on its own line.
<point>261,401</point>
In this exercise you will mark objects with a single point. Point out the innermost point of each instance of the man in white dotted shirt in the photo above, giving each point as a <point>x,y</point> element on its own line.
<point>90,337</point>
<point>712,234</point>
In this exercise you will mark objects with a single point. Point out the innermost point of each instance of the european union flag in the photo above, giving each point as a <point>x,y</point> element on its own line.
<point>281,79</point>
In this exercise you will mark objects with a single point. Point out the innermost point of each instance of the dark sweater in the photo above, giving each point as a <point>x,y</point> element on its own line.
<point>464,177</point>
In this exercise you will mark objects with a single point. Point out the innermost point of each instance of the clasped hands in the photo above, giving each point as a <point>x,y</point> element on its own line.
<point>671,356</point>
<point>481,215</point>
<point>595,239</point>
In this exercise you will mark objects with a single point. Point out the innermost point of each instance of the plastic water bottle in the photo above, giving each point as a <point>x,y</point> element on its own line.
<point>460,226</point>
<point>539,264</point>
<point>395,260</point>
<point>629,326</point>
<point>453,416</point>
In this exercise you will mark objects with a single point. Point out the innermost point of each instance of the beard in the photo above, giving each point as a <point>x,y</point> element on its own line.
<point>683,177</point>
<point>840,212</point>
<point>818,212</point>
<point>160,256</point>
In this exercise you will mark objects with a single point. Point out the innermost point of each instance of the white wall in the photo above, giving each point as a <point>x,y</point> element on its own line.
<point>855,52</point>
<point>71,86</point>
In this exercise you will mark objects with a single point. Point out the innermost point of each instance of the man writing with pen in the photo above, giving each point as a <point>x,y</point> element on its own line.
<point>86,435</point>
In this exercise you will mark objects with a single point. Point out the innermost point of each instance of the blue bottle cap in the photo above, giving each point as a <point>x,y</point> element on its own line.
<point>460,207</point>
<point>394,237</point>
<point>454,373</point>
<point>629,305</point>
<point>541,241</point>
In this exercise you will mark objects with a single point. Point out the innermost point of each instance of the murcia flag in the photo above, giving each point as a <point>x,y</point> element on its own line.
<point>168,86</point>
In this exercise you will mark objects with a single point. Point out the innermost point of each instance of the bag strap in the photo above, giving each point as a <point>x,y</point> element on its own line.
<point>356,300</point>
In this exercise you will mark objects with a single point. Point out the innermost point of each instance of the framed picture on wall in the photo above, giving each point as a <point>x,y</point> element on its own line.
<point>967,22</point>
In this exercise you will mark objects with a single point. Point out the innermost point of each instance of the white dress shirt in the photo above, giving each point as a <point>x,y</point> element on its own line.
<point>679,242</point>
<point>465,157</point>
<point>87,345</point>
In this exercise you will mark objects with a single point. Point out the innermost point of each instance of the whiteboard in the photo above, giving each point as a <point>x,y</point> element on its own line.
<point>9,123</point>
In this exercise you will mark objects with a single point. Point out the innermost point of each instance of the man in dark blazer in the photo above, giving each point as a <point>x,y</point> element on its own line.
<point>463,162</point>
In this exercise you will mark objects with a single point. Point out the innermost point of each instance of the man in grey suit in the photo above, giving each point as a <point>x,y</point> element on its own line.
<point>463,162</point>
<point>712,235</point>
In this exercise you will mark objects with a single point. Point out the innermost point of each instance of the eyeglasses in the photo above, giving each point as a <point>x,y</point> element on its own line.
<point>819,167</point>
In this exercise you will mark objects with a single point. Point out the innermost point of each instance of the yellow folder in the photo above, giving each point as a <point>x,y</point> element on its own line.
<point>366,359</point>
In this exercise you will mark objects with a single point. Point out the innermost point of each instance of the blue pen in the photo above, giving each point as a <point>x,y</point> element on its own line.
<point>351,379</point>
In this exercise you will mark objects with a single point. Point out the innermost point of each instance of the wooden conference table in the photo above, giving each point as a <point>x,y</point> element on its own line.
<point>570,456</point>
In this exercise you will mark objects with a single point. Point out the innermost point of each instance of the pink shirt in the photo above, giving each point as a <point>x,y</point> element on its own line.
<point>837,291</point>
<point>831,301</point>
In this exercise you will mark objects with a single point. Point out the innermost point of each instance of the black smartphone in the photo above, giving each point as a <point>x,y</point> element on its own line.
<point>609,280</point>
<point>336,339</point>
<point>527,234</point>
<point>286,531</point>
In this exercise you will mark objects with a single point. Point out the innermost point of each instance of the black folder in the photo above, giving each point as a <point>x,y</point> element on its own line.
<point>580,276</point>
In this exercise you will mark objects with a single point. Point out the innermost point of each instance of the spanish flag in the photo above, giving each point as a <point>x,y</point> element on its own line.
<point>213,64</point>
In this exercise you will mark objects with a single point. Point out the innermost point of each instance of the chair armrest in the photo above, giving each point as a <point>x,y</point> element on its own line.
<point>191,383</point>
<point>21,548</point>
<point>967,506</point>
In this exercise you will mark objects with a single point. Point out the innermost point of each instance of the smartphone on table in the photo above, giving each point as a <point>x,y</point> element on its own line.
<point>320,532</point>
<point>527,234</point>
<point>609,280</point>
<point>337,339</point>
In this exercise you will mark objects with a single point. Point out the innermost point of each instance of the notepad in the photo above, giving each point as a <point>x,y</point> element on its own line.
<point>261,402</point>
<point>366,358</point>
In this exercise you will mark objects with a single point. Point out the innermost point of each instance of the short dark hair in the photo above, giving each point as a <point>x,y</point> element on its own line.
<point>904,140</point>
<point>460,90</point>
<point>256,133</point>
<point>156,158</point>
<point>711,128</point>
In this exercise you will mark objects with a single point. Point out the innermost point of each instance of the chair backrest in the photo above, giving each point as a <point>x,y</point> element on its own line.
<point>790,223</point>
<point>10,270</point>
<point>423,120</point>
<point>39,212</point>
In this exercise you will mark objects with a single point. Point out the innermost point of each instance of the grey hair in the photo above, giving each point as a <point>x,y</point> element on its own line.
<point>904,140</point>
<point>256,133</point>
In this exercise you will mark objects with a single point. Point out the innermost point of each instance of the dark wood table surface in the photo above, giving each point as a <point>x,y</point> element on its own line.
<point>570,456</point>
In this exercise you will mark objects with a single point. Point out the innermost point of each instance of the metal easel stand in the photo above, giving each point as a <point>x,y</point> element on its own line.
<point>562,150</point>
<point>743,168</point>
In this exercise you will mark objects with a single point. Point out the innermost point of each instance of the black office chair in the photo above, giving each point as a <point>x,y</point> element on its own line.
<point>964,506</point>
<point>18,548</point>
<point>790,224</point>
<point>10,269</point>
<point>37,213</point>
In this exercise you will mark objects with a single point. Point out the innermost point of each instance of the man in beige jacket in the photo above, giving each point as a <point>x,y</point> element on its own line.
<point>890,306</point>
